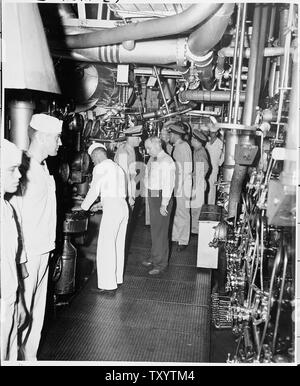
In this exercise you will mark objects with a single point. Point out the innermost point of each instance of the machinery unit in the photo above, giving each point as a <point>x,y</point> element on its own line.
<point>230,66</point>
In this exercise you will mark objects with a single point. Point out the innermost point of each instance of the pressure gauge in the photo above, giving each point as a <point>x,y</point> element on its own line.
<point>64,171</point>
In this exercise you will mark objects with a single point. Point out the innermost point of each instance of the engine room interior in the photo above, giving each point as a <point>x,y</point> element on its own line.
<point>131,77</point>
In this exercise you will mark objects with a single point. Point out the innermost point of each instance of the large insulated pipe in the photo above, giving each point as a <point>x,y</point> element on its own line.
<point>160,52</point>
<point>265,16</point>
<point>211,31</point>
<point>241,170</point>
<point>268,52</point>
<point>209,96</point>
<point>20,115</point>
<point>206,36</point>
<point>171,25</point>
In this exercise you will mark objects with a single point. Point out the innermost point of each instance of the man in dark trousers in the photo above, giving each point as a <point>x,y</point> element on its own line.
<point>159,182</point>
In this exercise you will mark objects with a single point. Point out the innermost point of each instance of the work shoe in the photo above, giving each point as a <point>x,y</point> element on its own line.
<point>180,248</point>
<point>106,291</point>
<point>146,263</point>
<point>154,271</point>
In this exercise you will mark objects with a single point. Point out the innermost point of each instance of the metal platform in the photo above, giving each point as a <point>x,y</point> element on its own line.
<point>165,318</point>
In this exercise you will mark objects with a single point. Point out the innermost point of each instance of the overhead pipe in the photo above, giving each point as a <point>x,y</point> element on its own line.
<point>235,57</point>
<point>199,48</point>
<point>262,42</point>
<point>156,52</point>
<point>241,170</point>
<point>269,41</point>
<point>240,62</point>
<point>208,96</point>
<point>170,25</point>
<point>228,52</point>
<point>102,45</point>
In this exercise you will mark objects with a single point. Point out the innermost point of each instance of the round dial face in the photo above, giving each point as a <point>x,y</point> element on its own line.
<point>64,171</point>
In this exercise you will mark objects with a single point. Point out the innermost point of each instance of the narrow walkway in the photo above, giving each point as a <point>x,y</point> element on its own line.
<point>150,319</point>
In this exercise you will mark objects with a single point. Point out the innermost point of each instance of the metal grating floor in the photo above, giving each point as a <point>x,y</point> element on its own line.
<point>150,319</point>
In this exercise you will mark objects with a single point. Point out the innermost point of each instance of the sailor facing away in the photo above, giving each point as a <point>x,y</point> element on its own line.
<point>108,183</point>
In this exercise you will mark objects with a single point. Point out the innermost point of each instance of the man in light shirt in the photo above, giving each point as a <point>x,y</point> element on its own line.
<point>160,182</point>
<point>36,209</point>
<point>108,183</point>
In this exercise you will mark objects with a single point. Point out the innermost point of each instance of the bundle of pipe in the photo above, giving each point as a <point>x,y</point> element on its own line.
<point>211,21</point>
<point>252,94</point>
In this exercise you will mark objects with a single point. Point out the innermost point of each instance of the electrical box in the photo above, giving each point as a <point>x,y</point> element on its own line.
<point>207,257</point>
<point>123,74</point>
<point>210,216</point>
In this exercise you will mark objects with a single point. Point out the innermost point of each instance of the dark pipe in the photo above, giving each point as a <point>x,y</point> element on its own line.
<point>211,31</point>
<point>260,56</point>
<point>211,96</point>
<point>241,170</point>
<point>171,25</point>
<point>249,103</point>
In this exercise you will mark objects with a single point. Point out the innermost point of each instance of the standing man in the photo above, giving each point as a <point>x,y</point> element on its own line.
<point>200,170</point>
<point>126,158</point>
<point>36,208</point>
<point>13,313</point>
<point>165,138</point>
<point>108,183</point>
<point>160,182</point>
<point>214,148</point>
<point>182,155</point>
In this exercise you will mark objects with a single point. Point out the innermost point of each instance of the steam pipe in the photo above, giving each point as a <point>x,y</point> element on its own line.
<point>198,48</point>
<point>160,52</point>
<point>239,72</point>
<point>20,115</point>
<point>171,25</point>
<point>268,52</point>
<point>241,170</point>
<point>269,40</point>
<point>236,43</point>
<point>210,96</point>
<point>212,29</point>
<point>262,41</point>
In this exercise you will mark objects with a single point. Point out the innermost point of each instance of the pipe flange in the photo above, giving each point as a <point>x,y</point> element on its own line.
<point>200,61</point>
<point>181,57</point>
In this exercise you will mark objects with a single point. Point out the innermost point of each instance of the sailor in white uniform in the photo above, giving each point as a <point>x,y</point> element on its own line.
<point>36,209</point>
<point>108,183</point>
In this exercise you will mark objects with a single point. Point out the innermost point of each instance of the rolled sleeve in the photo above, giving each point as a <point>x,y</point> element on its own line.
<point>93,192</point>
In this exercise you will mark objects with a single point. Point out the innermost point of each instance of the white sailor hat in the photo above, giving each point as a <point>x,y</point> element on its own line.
<point>46,123</point>
<point>135,131</point>
<point>94,146</point>
<point>11,155</point>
